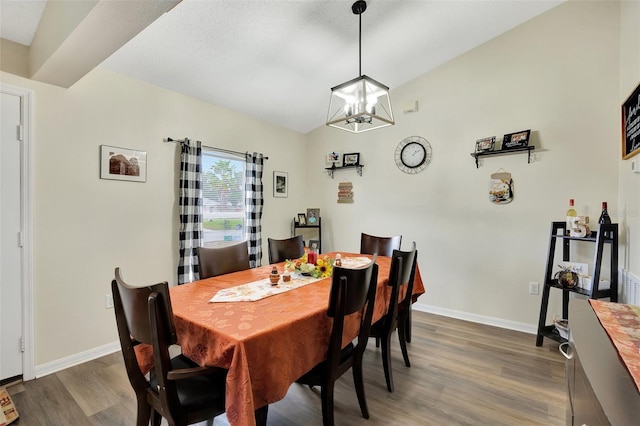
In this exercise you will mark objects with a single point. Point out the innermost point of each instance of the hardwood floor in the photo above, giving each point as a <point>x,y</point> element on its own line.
<point>461,373</point>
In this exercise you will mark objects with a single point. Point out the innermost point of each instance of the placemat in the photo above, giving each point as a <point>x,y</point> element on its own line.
<point>622,324</point>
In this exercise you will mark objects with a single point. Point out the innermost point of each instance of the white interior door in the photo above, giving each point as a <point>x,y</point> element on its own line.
<point>11,324</point>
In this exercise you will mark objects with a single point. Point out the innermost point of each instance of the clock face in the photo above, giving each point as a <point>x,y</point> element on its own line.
<point>413,154</point>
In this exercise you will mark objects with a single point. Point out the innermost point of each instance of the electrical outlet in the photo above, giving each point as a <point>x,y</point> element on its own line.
<point>534,288</point>
<point>108,302</point>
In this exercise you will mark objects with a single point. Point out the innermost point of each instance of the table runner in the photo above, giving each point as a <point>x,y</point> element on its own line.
<point>260,289</point>
<point>622,324</point>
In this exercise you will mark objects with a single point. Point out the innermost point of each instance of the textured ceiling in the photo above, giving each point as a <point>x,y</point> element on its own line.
<point>277,60</point>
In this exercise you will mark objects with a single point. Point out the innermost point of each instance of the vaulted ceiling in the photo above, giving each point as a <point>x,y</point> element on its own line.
<point>272,60</point>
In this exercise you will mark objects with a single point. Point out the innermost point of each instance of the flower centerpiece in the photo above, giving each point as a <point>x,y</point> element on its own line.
<point>321,269</point>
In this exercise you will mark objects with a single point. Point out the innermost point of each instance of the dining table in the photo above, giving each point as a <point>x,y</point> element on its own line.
<point>265,344</point>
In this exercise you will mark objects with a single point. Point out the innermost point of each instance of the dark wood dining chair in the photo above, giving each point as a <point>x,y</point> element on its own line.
<point>383,246</point>
<point>289,248</point>
<point>402,274</point>
<point>223,260</point>
<point>351,289</point>
<point>177,388</point>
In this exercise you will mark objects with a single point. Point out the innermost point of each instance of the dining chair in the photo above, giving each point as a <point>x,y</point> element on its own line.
<point>402,274</point>
<point>289,248</point>
<point>351,289</point>
<point>177,388</point>
<point>383,246</point>
<point>223,260</point>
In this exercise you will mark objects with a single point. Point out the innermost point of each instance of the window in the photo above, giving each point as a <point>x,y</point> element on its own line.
<point>223,198</point>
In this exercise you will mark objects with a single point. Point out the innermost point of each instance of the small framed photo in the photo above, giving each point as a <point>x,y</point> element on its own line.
<point>486,144</point>
<point>280,184</point>
<point>352,159</point>
<point>302,219</point>
<point>314,245</point>
<point>123,164</point>
<point>334,158</point>
<point>313,216</point>
<point>516,140</point>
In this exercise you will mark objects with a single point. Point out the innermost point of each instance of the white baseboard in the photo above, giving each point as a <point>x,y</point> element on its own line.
<point>481,319</point>
<point>79,358</point>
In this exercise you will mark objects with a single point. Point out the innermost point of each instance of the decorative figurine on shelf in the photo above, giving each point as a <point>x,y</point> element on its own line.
<point>274,277</point>
<point>579,226</point>
<point>338,261</point>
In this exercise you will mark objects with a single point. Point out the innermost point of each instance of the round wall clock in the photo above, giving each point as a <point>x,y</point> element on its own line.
<point>413,154</point>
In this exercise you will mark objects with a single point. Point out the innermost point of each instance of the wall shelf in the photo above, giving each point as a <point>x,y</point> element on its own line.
<point>332,169</point>
<point>526,149</point>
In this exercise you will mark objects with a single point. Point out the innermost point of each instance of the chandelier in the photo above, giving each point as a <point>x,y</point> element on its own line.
<point>363,103</point>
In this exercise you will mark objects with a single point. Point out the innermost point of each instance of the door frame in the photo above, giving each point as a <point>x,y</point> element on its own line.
<point>26,225</point>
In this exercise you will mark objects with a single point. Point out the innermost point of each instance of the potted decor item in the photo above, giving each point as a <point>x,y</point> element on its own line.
<point>566,277</point>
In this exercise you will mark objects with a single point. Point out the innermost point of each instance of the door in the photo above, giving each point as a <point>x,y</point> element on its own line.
<point>11,324</point>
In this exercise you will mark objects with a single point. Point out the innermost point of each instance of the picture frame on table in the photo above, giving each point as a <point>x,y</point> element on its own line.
<point>631,124</point>
<point>516,140</point>
<point>485,144</point>
<point>351,159</point>
<point>123,164</point>
<point>302,219</point>
<point>280,184</point>
<point>313,216</point>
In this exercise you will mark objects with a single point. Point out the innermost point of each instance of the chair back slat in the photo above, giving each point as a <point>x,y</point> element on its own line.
<point>289,248</point>
<point>223,260</point>
<point>134,309</point>
<point>383,246</point>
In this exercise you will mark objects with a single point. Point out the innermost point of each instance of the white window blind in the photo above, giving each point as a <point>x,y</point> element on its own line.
<point>223,198</point>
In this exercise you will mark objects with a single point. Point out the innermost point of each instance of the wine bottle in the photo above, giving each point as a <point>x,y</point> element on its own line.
<point>604,218</point>
<point>570,213</point>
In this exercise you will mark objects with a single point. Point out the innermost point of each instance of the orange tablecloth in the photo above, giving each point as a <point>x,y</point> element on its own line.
<point>265,344</point>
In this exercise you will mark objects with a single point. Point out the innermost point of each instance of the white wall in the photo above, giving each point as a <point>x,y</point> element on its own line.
<point>556,75</point>
<point>84,226</point>
<point>629,195</point>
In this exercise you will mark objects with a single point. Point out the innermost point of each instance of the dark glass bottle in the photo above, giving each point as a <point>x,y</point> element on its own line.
<point>605,219</point>
<point>604,216</point>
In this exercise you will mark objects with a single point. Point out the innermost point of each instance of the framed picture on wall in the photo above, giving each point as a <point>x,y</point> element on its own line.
<point>631,125</point>
<point>516,140</point>
<point>123,164</point>
<point>352,159</point>
<point>333,158</point>
<point>485,144</point>
<point>280,184</point>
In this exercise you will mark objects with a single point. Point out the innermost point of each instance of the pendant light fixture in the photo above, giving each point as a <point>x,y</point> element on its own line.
<point>360,104</point>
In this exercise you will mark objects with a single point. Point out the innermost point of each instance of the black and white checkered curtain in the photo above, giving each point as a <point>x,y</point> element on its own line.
<point>190,210</point>
<point>253,207</point>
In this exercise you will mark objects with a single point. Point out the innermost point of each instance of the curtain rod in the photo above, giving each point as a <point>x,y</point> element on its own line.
<point>210,147</point>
